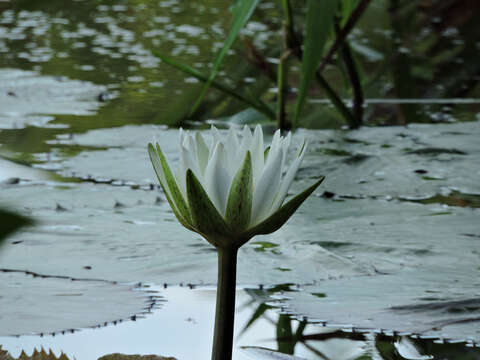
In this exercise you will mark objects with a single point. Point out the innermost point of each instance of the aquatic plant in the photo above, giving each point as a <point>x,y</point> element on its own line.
<point>229,192</point>
<point>322,20</point>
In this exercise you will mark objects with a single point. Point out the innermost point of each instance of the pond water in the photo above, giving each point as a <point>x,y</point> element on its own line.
<point>389,241</point>
<point>263,331</point>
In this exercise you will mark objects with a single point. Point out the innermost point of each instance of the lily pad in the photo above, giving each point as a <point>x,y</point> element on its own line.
<point>382,171</point>
<point>126,235</point>
<point>365,237</point>
<point>38,304</point>
<point>258,353</point>
<point>134,357</point>
<point>28,98</point>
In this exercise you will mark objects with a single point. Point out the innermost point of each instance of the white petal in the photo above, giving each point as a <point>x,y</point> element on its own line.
<point>231,144</point>
<point>246,134</point>
<point>244,145</point>
<point>202,152</point>
<point>181,136</point>
<point>276,141</point>
<point>257,152</point>
<point>231,149</point>
<point>216,138</point>
<point>267,186</point>
<point>217,180</point>
<point>246,139</point>
<point>287,181</point>
<point>189,153</point>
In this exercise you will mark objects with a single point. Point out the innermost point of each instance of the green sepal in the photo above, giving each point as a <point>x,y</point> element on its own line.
<point>177,196</point>
<point>206,219</point>
<point>179,217</point>
<point>280,217</point>
<point>265,153</point>
<point>239,203</point>
<point>155,162</point>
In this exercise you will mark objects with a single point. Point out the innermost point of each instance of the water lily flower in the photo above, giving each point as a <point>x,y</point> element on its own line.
<point>229,192</point>
<point>233,189</point>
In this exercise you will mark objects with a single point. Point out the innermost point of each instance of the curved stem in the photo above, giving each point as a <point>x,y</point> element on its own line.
<point>225,308</point>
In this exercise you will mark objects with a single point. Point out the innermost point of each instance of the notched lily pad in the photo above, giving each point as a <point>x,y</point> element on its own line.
<point>436,151</point>
<point>258,353</point>
<point>134,357</point>
<point>36,355</point>
<point>39,304</point>
<point>28,98</point>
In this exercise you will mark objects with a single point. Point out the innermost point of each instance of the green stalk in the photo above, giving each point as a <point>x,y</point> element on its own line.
<point>335,99</point>
<point>354,80</point>
<point>295,46</point>
<point>287,13</point>
<point>225,308</point>
<point>282,91</point>
<point>282,75</point>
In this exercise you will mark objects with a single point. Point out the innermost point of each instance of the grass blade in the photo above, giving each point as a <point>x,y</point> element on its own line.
<point>242,11</point>
<point>257,104</point>
<point>319,24</point>
<point>347,8</point>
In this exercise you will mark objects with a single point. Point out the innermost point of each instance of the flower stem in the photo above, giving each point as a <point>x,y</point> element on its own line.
<point>225,308</point>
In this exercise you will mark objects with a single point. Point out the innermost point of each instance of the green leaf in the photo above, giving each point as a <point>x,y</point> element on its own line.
<point>239,203</point>
<point>10,222</point>
<point>280,217</point>
<point>256,103</point>
<point>206,219</point>
<point>242,11</point>
<point>319,23</point>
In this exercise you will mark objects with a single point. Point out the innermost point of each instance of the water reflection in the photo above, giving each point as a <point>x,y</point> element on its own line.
<point>182,329</point>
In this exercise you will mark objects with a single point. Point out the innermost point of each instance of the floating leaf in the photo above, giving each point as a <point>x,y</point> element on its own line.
<point>259,353</point>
